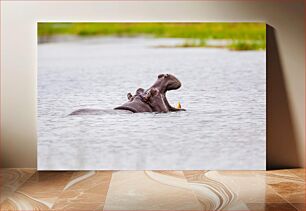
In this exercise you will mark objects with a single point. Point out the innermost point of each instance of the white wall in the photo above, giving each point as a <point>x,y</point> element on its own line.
<point>18,58</point>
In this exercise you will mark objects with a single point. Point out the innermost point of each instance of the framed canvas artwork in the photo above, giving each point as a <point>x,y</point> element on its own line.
<point>161,96</point>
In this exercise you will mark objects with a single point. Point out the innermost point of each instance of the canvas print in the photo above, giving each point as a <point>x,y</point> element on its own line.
<point>158,96</point>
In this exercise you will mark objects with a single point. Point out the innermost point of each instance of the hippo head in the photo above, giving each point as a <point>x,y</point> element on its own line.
<point>166,82</point>
<point>153,99</point>
<point>158,100</point>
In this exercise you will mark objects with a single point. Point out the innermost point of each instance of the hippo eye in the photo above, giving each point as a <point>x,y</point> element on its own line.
<point>153,92</point>
<point>166,75</point>
<point>160,75</point>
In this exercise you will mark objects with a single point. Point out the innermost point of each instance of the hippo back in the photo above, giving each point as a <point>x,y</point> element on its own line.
<point>137,105</point>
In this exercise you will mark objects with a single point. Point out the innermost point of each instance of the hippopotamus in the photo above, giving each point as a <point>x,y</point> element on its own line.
<point>153,99</point>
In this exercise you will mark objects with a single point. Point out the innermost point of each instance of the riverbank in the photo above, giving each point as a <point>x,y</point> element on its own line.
<point>240,36</point>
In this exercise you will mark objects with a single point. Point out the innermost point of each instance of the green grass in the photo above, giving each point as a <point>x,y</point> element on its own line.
<point>193,43</point>
<point>242,32</point>
<point>244,45</point>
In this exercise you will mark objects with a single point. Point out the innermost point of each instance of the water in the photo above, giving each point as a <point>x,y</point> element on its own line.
<point>223,91</point>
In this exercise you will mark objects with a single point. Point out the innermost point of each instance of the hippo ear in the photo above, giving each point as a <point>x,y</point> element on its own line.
<point>139,91</point>
<point>129,96</point>
<point>166,76</point>
<point>160,75</point>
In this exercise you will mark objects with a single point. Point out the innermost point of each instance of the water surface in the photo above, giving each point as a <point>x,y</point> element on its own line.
<point>223,91</point>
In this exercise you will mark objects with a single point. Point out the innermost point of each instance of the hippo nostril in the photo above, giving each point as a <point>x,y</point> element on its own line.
<point>160,75</point>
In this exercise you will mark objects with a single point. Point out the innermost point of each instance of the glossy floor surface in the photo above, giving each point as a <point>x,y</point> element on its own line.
<point>27,189</point>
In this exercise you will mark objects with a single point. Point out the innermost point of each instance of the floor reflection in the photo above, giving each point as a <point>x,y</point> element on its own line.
<point>27,189</point>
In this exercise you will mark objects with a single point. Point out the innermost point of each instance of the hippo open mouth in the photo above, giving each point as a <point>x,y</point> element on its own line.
<point>153,99</point>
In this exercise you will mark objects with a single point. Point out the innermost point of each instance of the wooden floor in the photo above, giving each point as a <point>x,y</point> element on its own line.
<point>27,189</point>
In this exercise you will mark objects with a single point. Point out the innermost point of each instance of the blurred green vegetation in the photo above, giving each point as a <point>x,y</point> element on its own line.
<point>245,36</point>
<point>243,45</point>
<point>193,43</point>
